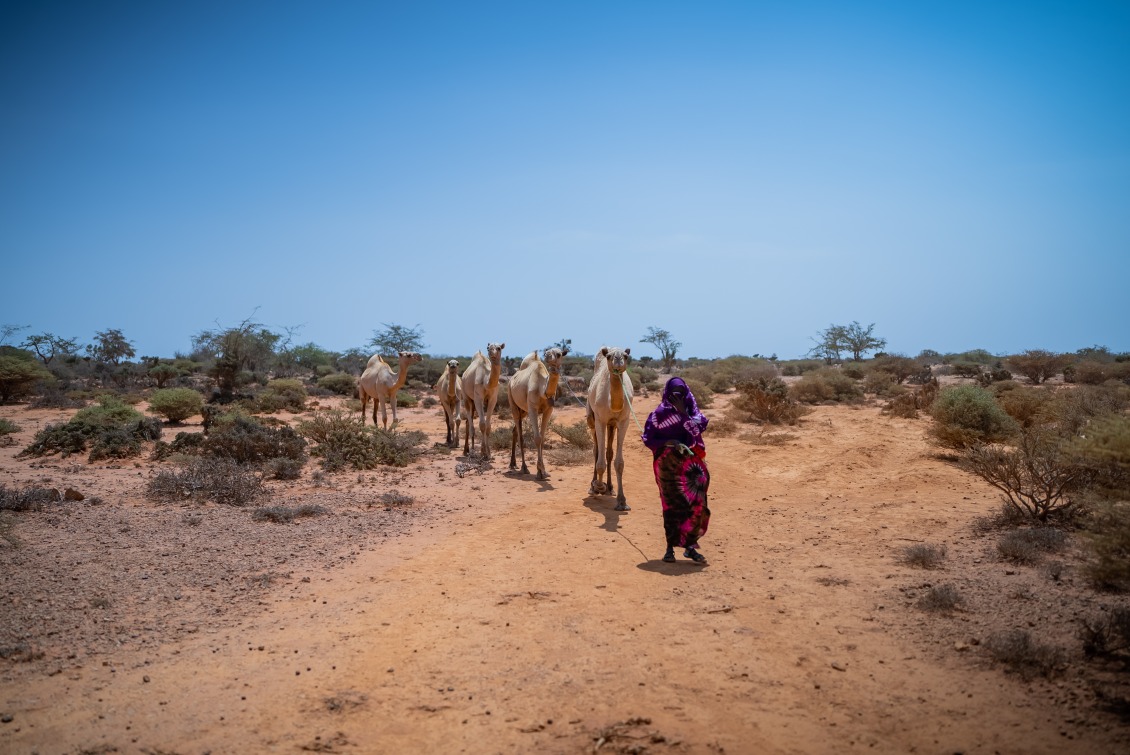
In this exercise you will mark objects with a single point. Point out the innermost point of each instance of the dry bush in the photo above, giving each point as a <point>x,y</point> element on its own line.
<point>26,499</point>
<point>1024,655</point>
<point>396,498</point>
<point>1107,634</point>
<point>1105,451</point>
<point>826,385</point>
<point>576,434</point>
<point>1036,477</point>
<point>281,468</point>
<point>924,555</point>
<point>722,427</point>
<point>1028,406</point>
<point>248,441</point>
<point>763,438</point>
<point>219,480</point>
<point>286,514</point>
<point>904,405</point>
<point>941,599</point>
<point>968,415</point>
<point>896,366</point>
<point>1072,410</point>
<point>568,456</point>
<point>881,384</point>
<point>1038,365</point>
<point>1007,517</point>
<point>768,401</point>
<point>1028,546</point>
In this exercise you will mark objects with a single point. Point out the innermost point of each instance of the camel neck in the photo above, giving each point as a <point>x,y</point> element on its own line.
<point>617,391</point>
<point>495,374</point>
<point>551,386</point>
<point>401,376</point>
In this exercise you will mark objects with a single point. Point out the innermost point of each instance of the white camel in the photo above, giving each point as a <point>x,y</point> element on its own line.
<point>531,391</point>
<point>609,409</point>
<point>449,388</point>
<point>480,394</point>
<point>379,383</point>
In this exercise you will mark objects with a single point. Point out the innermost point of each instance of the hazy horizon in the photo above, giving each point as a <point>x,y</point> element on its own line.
<point>742,175</point>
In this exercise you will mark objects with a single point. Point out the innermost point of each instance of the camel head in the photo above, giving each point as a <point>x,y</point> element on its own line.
<point>409,357</point>
<point>494,352</point>
<point>452,365</point>
<point>617,358</point>
<point>552,358</point>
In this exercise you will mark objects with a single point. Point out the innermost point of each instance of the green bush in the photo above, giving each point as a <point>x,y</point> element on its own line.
<point>341,383</point>
<point>7,427</point>
<point>18,376</point>
<point>163,373</point>
<point>344,442</point>
<point>967,415</point>
<point>176,404</point>
<point>576,434</point>
<point>406,400</point>
<point>110,428</point>
<point>246,441</point>
<point>284,394</point>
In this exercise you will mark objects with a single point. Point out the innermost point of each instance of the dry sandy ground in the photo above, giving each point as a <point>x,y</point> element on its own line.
<point>499,614</point>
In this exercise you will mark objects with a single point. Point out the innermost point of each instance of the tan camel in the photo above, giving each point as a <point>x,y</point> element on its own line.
<point>380,383</point>
<point>480,394</point>
<point>449,388</point>
<point>531,390</point>
<point>609,410</point>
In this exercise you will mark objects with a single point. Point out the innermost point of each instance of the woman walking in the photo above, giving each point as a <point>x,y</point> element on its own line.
<point>673,432</point>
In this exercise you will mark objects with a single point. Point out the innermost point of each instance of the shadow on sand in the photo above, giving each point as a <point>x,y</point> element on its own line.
<point>605,505</point>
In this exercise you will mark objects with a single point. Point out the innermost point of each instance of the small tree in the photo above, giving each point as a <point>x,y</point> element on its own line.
<point>1039,364</point>
<point>47,346</point>
<point>110,347</point>
<point>17,376</point>
<point>246,346</point>
<point>853,338</point>
<point>8,330</point>
<point>163,373</point>
<point>667,345</point>
<point>396,338</point>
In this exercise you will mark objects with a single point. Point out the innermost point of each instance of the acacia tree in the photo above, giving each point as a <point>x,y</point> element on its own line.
<point>110,347</point>
<point>396,338</point>
<point>853,338</point>
<point>246,346</point>
<point>47,346</point>
<point>667,345</point>
<point>1039,364</point>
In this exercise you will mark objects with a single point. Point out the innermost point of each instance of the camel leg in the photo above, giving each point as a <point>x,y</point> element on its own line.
<point>484,426</point>
<point>469,441</point>
<point>541,427</point>
<point>595,487</point>
<point>608,454</point>
<point>621,501</point>
<point>514,440</point>
<point>447,421</point>
<point>384,415</point>
<point>364,405</point>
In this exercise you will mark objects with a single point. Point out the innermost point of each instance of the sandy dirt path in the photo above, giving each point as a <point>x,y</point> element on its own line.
<point>533,618</point>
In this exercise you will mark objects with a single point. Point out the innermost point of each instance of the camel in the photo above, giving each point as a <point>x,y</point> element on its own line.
<point>449,387</point>
<point>531,390</point>
<point>609,410</point>
<point>379,383</point>
<point>480,394</point>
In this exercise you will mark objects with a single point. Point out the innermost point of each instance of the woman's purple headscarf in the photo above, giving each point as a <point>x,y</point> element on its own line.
<point>668,423</point>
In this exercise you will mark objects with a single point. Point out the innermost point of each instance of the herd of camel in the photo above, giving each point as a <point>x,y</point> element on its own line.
<point>531,391</point>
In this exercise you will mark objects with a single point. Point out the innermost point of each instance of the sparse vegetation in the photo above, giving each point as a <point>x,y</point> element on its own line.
<point>576,434</point>
<point>1107,634</point>
<point>1035,477</point>
<point>1029,545</point>
<point>1024,655</point>
<point>215,479</point>
<point>1039,365</point>
<point>924,555</point>
<point>246,441</point>
<point>26,499</point>
<point>341,383</point>
<point>941,599</point>
<point>768,401</point>
<point>285,394</point>
<point>826,385</point>
<point>286,514</point>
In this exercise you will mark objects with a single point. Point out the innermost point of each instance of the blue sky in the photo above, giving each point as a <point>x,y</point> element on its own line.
<point>741,174</point>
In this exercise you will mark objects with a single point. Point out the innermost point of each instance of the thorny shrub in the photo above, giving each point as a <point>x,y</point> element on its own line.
<point>1028,546</point>
<point>924,555</point>
<point>219,480</point>
<point>1028,657</point>
<point>246,441</point>
<point>1106,452</point>
<point>1107,634</point>
<point>941,599</point>
<point>826,385</point>
<point>286,514</point>
<point>768,401</point>
<point>26,499</point>
<point>344,442</point>
<point>1036,477</point>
